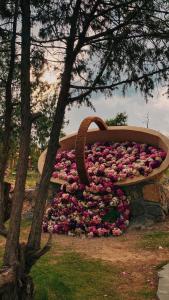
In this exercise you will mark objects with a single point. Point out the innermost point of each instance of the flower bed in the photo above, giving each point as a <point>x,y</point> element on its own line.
<point>100,209</point>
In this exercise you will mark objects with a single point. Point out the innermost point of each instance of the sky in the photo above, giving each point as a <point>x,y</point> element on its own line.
<point>133,104</point>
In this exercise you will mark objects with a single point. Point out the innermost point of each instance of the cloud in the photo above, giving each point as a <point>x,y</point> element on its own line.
<point>133,104</point>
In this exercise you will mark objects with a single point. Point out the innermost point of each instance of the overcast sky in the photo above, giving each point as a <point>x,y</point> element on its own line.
<point>133,104</point>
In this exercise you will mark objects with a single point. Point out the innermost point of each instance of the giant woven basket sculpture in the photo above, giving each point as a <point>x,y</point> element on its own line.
<point>78,140</point>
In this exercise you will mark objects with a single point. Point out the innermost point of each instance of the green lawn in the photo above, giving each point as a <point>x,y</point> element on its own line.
<point>72,277</point>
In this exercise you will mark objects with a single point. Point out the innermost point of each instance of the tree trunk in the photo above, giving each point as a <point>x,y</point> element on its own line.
<point>16,291</point>
<point>8,201</point>
<point>15,283</point>
<point>36,228</point>
<point>40,201</point>
<point>8,116</point>
<point>11,249</point>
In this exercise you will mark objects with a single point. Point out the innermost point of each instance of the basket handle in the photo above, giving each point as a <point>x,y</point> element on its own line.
<point>80,145</point>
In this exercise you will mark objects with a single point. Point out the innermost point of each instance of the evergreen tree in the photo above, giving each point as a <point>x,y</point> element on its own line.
<point>119,120</point>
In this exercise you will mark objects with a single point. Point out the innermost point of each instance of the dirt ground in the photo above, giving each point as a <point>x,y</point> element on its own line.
<point>139,264</point>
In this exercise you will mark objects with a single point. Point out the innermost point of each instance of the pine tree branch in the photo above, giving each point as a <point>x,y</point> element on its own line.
<point>94,87</point>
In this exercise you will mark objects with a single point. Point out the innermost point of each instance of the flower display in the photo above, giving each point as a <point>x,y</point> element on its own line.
<point>113,161</point>
<point>100,208</point>
<point>88,212</point>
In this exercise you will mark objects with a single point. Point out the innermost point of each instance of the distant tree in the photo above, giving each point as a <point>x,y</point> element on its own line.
<point>119,120</point>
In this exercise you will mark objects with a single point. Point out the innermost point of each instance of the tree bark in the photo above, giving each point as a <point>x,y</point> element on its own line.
<point>40,201</point>
<point>11,255</point>
<point>11,289</point>
<point>15,283</point>
<point>8,116</point>
<point>36,228</point>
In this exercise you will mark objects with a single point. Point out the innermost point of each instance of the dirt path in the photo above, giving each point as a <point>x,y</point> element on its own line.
<point>123,249</point>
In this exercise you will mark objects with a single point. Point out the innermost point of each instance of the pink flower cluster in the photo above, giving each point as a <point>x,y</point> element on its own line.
<point>100,209</point>
<point>86,211</point>
<point>114,161</point>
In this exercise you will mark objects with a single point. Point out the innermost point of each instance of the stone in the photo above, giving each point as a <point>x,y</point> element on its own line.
<point>151,192</point>
<point>149,202</point>
<point>157,192</point>
<point>164,193</point>
<point>154,210</point>
<point>141,222</point>
<point>137,208</point>
<point>163,285</point>
<point>142,210</point>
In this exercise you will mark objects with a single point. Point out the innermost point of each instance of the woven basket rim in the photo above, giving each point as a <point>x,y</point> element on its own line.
<point>138,179</point>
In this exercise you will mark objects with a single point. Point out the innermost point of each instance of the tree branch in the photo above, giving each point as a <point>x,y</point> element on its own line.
<point>113,85</point>
<point>36,255</point>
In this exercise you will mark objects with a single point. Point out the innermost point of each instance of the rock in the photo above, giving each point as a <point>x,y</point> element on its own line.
<point>157,192</point>
<point>141,222</point>
<point>154,210</point>
<point>142,211</point>
<point>149,203</point>
<point>137,208</point>
<point>163,285</point>
<point>151,192</point>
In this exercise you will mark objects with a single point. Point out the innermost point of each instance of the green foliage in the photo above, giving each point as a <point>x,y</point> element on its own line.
<point>116,43</point>
<point>119,120</point>
<point>111,216</point>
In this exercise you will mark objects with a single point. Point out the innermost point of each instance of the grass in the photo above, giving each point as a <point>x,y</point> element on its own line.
<point>71,277</point>
<point>154,240</point>
<point>144,294</point>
